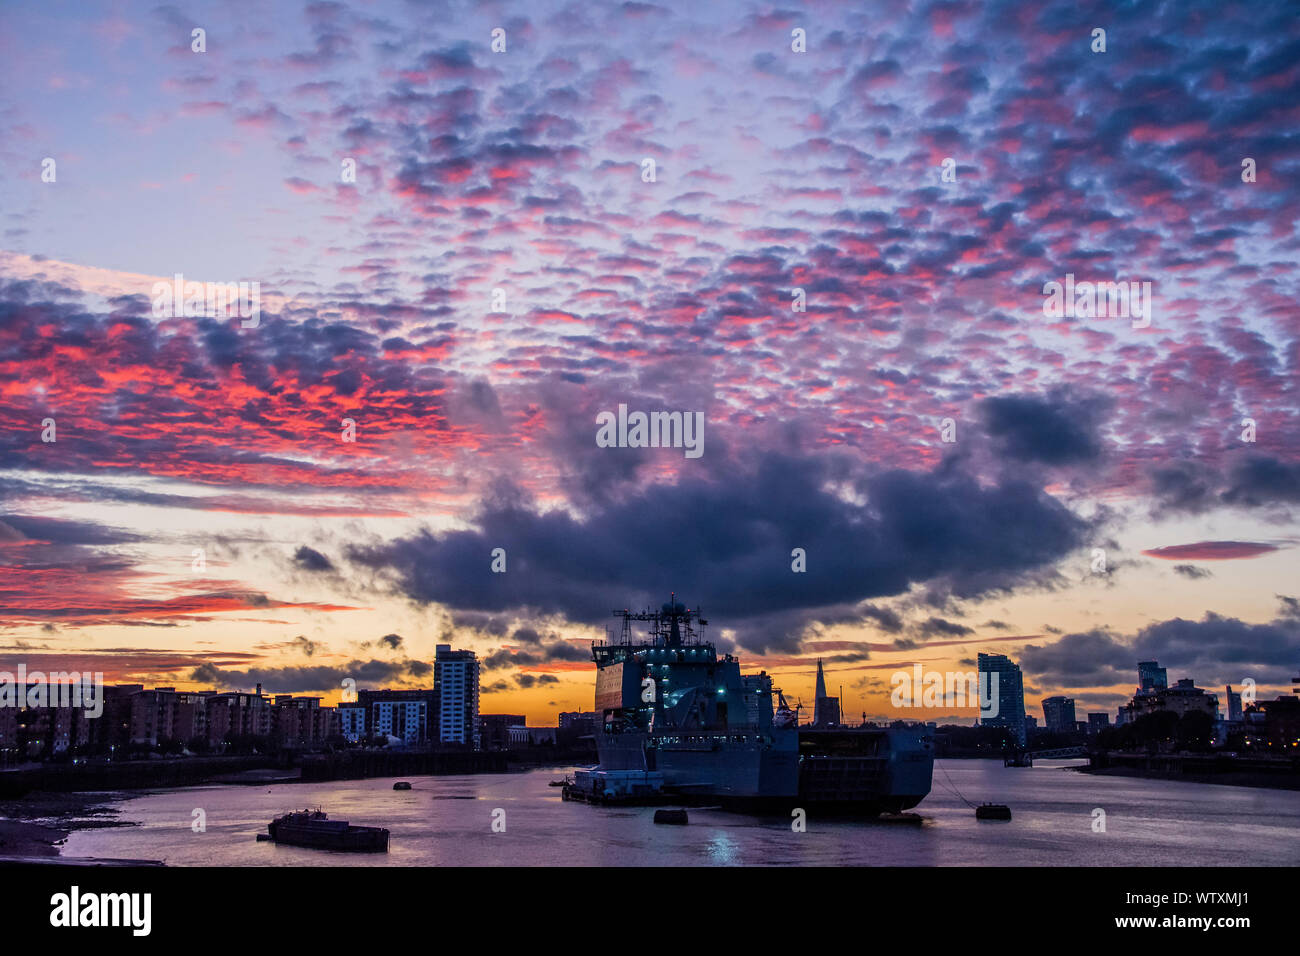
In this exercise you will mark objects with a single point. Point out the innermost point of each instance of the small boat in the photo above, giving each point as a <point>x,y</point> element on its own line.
<point>402,785</point>
<point>901,819</point>
<point>993,811</point>
<point>557,783</point>
<point>604,787</point>
<point>677,817</point>
<point>314,829</point>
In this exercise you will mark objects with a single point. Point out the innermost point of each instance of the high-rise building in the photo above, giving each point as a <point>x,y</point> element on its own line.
<point>152,715</point>
<point>1010,695</point>
<point>1058,714</point>
<point>301,721</point>
<point>826,709</point>
<point>455,682</point>
<point>408,715</point>
<point>1234,704</point>
<point>1097,722</point>
<point>407,720</point>
<point>352,721</point>
<point>191,717</point>
<point>237,714</point>
<point>1184,697</point>
<point>1151,677</point>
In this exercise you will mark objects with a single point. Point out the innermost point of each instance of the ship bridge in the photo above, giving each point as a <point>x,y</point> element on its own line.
<point>671,677</point>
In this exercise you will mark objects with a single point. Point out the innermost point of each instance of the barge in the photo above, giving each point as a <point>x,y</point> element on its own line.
<point>314,829</point>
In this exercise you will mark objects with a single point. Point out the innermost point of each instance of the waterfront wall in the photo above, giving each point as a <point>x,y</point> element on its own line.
<point>1279,772</point>
<point>360,764</point>
<point>125,774</point>
<point>192,771</point>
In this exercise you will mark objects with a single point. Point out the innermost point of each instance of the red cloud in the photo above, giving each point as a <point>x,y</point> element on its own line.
<point>1212,551</point>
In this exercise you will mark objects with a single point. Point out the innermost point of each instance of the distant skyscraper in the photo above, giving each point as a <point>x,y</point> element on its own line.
<point>826,709</point>
<point>455,682</point>
<point>352,721</point>
<point>1011,695</point>
<point>1234,704</point>
<point>1151,677</point>
<point>1058,714</point>
<point>1097,722</point>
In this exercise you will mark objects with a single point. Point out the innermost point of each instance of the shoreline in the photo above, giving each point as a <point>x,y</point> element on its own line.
<point>34,827</point>
<point>1256,779</point>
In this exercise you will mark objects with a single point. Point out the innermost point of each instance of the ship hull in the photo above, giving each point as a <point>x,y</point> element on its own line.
<point>843,772</point>
<point>346,839</point>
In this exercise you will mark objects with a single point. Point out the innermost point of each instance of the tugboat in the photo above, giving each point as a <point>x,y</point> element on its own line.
<point>681,724</point>
<point>638,787</point>
<point>314,829</point>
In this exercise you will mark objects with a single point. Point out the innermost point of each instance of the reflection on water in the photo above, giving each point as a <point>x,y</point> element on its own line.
<point>723,850</point>
<point>448,821</point>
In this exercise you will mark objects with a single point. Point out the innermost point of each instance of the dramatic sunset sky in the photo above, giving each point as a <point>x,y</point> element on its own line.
<point>475,429</point>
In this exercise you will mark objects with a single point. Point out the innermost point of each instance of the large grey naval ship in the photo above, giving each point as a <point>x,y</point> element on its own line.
<point>682,723</point>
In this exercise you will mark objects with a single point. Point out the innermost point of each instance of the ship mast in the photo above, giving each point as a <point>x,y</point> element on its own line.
<point>670,626</point>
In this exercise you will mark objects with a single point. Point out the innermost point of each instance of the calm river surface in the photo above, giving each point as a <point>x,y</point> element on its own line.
<point>448,821</point>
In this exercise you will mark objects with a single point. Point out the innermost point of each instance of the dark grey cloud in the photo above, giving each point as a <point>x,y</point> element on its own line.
<point>306,645</point>
<point>557,650</point>
<point>1060,428</point>
<point>726,544</point>
<point>1258,480</point>
<point>535,680</point>
<point>938,627</point>
<point>888,621</point>
<point>1182,486</point>
<point>1248,480</point>
<point>309,559</point>
<point>1213,651</point>
<point>295,680</point>
<point>61,531</point>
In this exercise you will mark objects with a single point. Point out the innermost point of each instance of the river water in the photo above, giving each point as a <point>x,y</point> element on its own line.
<point>449,821</point>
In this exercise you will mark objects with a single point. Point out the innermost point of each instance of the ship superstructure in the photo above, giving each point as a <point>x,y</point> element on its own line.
<point>674,709</point>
